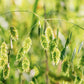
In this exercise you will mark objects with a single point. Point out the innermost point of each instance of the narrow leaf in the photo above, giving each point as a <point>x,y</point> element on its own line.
<point>63,53</point>
<point>80,47</point>
<point>73,54</point>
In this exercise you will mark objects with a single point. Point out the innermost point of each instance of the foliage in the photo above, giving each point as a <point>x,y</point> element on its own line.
<point>41,42</point>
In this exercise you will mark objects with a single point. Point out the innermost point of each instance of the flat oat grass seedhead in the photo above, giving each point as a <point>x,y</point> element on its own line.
<point>25,65</point>
<point>65,66</point>
<point>6,71</point>
<point>49,34</point>
<point>56,56</point>
<point>44,42</point>
<point>27,44</point>
<point>13,33</point>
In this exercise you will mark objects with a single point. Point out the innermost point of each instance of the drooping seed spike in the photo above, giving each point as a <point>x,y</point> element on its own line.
<point>27,44</point>
<point>1,62</point>
<point>44,41</point>
<point>52,45</point>
<point>4,55</point>
<point>56,56</point>
<point>3,49</point>
<point>65,66</point>
<point>14,33</point>
<point>25,65</point>
<point>82,61</point>
<point>20,55</point>
<point>36,70</point>
<point>49,34</point>
<point>6,71</point>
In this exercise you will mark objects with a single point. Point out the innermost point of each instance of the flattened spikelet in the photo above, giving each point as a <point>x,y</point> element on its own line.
<point>4,55</point>
<point>52,45</point>
<point>20,55</point>
<point>27,44</point>
<point>13,32</point>
<point>56,56</point>
<point>25,65</point>
<point>6,71</point>
<point>82,61</point>
<point>36,70</point>
<point>49,34</point>
<point>3,49</point>
<point>44,42</point>
<point>65,66</point>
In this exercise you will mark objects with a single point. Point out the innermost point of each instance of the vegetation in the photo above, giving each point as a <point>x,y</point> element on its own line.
<point>41,42</point>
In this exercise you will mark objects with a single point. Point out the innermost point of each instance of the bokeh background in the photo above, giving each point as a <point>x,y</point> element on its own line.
<point>25,15</point>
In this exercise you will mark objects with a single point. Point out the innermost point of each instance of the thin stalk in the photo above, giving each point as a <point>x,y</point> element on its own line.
<point>9,56</point>
<point>34,19</point>
<point>39,17</point>
<point>20,80</point>
<point>45,18</point>
<point>11,43</point>
<point>47,68</point>
<point>10,49</point>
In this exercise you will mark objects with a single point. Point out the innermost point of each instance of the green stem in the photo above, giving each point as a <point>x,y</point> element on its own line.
<point>34,19</point>
<point>10,49</point>
<point>47,68</point>
<point>59,78</point>
<point>20,80</point>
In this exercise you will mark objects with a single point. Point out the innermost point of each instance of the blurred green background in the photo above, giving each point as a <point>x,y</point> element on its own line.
<point>25,15</point>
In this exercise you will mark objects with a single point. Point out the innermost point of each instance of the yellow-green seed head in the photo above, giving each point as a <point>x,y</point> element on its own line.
<point>3,49</point>
<point>56,56</point>
<point>65,66</point>
<point>25,65</point>
<point>36,70</point>
<point>20,55</point>
<point>49,34</point>
<point>82,61</point>
<point>1,62</point>
<point>31,82</point>
<point>13,32</point>
<point>52,45</point>
<point>6,70</point>
<point>44,42</point>
<point>27,44</point>
<point>4,56</point>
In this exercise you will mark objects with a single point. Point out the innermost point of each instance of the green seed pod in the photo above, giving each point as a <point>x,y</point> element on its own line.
<point>25,65</point>
<point>4,56</point>
<point>56,56</point>
<point>36,70</point>
<point>20,55</point>
<point>2,62</point>
<point>82,61</point>
<point>72,72</point>
<point>49,34</point>
<point>18,65</point>
<point>65,66</point>
<point>78,72</point>
<point>27,44</point>
<point>13,32</point>
<point>3,49</point>
<point>52,45</point>
<point>31,82</point>
<point>44,42</point>
<point>6,70</point>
